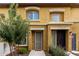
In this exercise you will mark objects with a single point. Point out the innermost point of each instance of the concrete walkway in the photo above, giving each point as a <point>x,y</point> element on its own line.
<point>75,52</point>
<point>37,53</point>
<point>70,54</point>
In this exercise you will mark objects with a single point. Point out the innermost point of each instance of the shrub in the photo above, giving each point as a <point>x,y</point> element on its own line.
<point>58,51</point>
<point>23,50</point>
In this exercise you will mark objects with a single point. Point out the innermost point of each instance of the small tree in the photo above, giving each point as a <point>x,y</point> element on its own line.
<point>21,31</point>
<point>14,29</point>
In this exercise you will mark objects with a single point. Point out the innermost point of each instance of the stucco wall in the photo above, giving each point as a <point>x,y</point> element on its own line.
<point>70,15</point>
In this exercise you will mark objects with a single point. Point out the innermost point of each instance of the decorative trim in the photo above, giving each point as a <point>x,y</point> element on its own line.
<point>52,23</point>
<point>37,24</point>
<point>73,21</point>
<point>56,10</point>
<point>37,29</point>
<point>65,23</point>
<point>32,7</point>
<point>59,28</point>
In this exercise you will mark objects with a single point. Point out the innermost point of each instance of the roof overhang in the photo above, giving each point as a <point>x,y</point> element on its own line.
<point>4,5</point>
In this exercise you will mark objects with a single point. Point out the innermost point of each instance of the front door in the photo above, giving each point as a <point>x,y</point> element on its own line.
<point>59,38</point>
<point>38,40</point>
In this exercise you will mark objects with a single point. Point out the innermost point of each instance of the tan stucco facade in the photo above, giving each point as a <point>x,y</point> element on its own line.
<point>70,23</point>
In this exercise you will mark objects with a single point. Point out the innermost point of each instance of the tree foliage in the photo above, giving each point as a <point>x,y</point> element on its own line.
<point>14,28</point>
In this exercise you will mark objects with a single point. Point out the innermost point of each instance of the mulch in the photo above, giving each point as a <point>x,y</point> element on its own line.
<point>16,54</point>
<point>47,54</point>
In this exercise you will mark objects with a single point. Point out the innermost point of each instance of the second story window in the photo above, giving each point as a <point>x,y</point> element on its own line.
<point>57,17</point>
<point>33,15</point>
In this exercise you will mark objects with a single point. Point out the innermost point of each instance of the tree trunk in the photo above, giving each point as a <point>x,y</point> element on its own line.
<point>18,49</point>
<point>15,52</point>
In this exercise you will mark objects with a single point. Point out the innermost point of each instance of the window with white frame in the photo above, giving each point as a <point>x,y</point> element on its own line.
<point>57,17</point>
<point>33,15</point>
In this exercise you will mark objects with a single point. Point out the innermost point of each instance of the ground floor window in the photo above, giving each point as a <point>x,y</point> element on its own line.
<point>22,42</point>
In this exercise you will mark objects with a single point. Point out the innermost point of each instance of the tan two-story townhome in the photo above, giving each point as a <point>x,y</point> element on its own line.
<point>52,24</point>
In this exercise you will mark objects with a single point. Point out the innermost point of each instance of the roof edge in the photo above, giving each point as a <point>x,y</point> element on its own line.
<point>74,5</point>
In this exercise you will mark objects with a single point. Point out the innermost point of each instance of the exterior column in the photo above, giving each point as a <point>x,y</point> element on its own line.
<point>69,40</point>
<point>49,37</point>
<point>30,41</point>
<point>43,40</point>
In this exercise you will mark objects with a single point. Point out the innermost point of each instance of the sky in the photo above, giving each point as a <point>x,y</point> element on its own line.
<point>39,1</point>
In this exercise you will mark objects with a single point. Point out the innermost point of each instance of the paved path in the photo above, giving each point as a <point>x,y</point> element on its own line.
<point>37,53</point>
<point>70,54</point>
<point>75,52</point>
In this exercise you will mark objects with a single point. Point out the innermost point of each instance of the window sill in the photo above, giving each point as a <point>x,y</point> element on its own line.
<point>22,45</point>
<point>34,20</point>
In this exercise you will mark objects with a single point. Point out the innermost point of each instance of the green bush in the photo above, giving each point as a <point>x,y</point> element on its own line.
<point>23,50</point>
<point>58,51</point>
